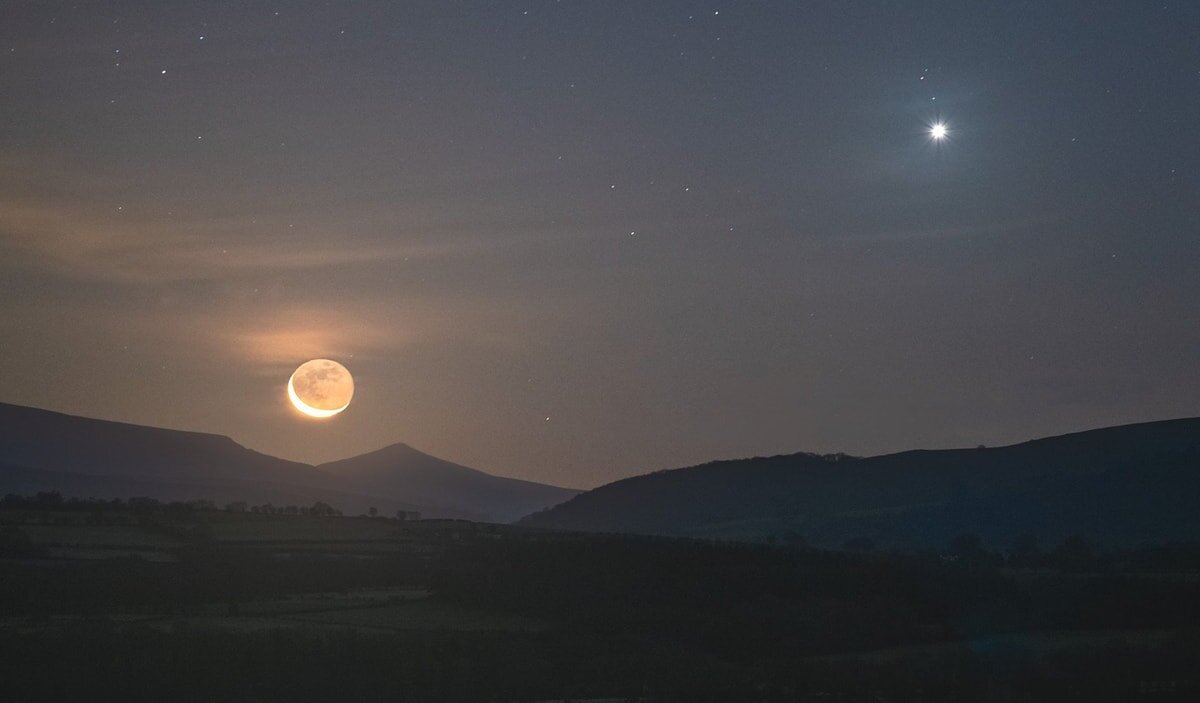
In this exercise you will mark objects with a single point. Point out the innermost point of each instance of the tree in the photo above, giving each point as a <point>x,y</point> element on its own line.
<point>49,499</point>
<point>1025,551</point>
<point>142,503</point>
<point>968,548</point>
<point>320,509</point>
<point>1074,553</point>
<point>373,512</point>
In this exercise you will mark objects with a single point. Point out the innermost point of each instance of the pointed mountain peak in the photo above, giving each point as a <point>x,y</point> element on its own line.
<point>392,453</point>
<point>399,448</point>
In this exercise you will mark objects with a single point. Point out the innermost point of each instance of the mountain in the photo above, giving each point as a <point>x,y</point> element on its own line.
<point>401,470</point>
<point>26,481</point>
<point>83,457</point>
<point>43,439</point>
<point>1118,486</point>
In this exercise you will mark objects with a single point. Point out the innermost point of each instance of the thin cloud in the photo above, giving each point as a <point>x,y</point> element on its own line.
<point>129,249</point>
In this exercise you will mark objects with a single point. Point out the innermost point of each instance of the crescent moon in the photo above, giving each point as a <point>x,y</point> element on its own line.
<point>308,409</point>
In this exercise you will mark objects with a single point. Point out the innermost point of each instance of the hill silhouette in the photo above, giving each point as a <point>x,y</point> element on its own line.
<point>43,450</point>
<point>399,469</point>
<point>1119,486</point>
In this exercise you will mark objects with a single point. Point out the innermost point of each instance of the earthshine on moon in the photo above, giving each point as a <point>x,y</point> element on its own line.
<point>321,388</point>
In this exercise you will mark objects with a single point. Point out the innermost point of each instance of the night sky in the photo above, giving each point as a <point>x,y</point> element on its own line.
<point>573,241</point>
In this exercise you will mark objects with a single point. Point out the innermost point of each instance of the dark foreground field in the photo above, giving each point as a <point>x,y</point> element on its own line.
<point>186,605</point>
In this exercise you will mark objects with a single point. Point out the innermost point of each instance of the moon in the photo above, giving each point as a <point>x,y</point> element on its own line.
<point>938,131</point>
<point>321,388</point>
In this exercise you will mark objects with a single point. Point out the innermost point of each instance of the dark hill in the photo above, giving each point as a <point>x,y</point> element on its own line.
<point>401,470</point>
<point>83,457</point>
<point>48,440</point>
<point>1120,486</point>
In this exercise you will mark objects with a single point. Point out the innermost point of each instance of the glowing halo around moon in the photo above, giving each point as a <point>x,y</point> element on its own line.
<point>321,388</point>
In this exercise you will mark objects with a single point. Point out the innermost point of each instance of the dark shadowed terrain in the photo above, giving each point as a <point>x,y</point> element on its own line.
<point>1060,569</point>
<point>43,451</point>
<point>1119,486</point>
<point>401,471</point>
<point>144,601</point>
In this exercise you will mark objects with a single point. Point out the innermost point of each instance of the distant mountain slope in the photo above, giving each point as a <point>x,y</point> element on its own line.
<point>1121,485</point>
<point>26,481</point>
<point>44,450</point>
<point>401,470</point>
<point>48,440</point>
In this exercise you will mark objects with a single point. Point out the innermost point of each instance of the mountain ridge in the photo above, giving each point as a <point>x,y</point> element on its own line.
<point>429,478</point>
<point>919,498</point>
<point>50,450</point>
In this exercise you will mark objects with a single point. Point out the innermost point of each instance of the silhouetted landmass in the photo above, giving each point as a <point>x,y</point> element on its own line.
<point>48,451</point>
<point>138,600</point>
<point>1121,486</point>
<point>400,470</point>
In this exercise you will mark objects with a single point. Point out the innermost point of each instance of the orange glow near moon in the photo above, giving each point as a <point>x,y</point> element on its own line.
<point>321,388</point>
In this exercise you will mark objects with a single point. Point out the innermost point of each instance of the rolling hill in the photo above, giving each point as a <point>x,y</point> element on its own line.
<point>401,470</point>
<point>83,457</point>
<point>1119,486</point>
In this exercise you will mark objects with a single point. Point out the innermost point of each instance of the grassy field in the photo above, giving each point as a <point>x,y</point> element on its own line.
<point>249,527</point>
<point>452,610</point>
<point>416,615</point>
<point>120,536</point>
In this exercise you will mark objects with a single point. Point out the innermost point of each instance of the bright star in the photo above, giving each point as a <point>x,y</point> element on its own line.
<point>938,131</point>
